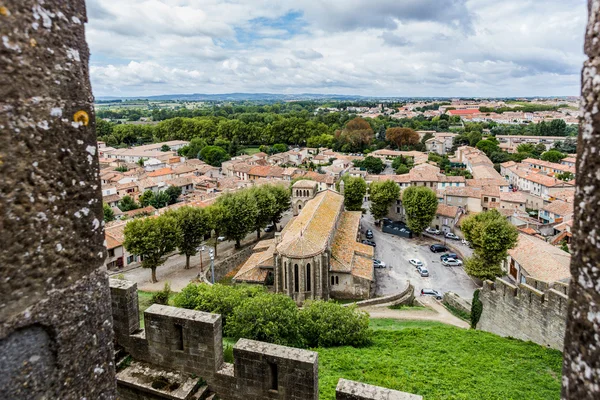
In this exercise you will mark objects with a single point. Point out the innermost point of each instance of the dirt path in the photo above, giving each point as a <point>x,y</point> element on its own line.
<point>435,312</point>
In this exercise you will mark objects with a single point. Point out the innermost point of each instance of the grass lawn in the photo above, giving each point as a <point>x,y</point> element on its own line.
<point>444,363</point>
<point>251,150</point>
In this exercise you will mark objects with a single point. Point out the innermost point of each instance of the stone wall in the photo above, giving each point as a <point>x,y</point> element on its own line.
<point>406,296</point>
<point>186,346</point>
<point>525,312</point>
<point>55,317</point>
<point>457,302</point>
<point>349,390</point>
<point>230,263</point>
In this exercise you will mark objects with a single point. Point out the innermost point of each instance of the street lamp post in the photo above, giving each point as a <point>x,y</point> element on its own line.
<point>201,250</point>
<point>212,265</point>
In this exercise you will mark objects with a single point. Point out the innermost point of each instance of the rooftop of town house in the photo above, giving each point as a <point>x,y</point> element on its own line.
<point>310,232</point>
<point>184,169</point>
<point>541,260</point>
<point>160,172</point>
<point>545,180</point>
<point>464,112</point>
<point>182,181</point>
<point>467,191</point>
<point>148,210</point>
<point>348,255</point>
<point>111,198</point>
<point>114,234</point>
<point>513,197</point>
<point>567,194</point>
<point>508,164</point>
<point>447,211</point>
<point>559,207</point>
<point>241,167</point>
<point>266,170</point>
<point>146,183</point>
<point>547,164</point>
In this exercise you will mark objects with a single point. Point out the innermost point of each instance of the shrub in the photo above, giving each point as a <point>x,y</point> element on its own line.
<point>327,324</point>
<point>162,297</point>
<point>476,309</point>
<point>269,318</point>
<point>218,299</point>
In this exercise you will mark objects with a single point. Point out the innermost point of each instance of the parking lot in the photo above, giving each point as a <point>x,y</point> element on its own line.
<point>395,252</point>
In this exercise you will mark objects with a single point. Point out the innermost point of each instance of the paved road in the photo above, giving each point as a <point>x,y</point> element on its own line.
<point>396,252</point>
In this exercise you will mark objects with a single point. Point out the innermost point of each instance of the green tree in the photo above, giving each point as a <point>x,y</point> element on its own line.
<point>282,201</point>
<point>147,198</point>
<point>218,217</point>
<point>372,165</point>
<point>279,148</point>
<point>526,148</point>
<point>153,239</point>
<point>355,189</point>
<point>193,224</point>
<point>165,147</point>
<point>382,195</point>
<point>488,146</point>
<point>241,214</point>
<point>553,156</point>
<point>109,214</point>
<point>127,204</point>
<point>265,149</point>
<point>402,169</point>
<point>272,318</point>
<point>420,204</point>
<point>491,235</point>
<point>160,200</point>
<point>214,155</point>
<point>564,246</point>
<point>173,192</point>
<point>327,324</point>
<point>565,176</point>
<point>266,204</point>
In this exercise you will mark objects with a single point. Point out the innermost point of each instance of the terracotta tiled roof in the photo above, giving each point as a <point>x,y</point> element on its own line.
<point>111,198</point>
<point>464,191</point>
<point>541,260</point>
<point>447,211</point>
<point>183,181</point>
<point>310,232</point>
<point>464,112</point>
<point>114,235</point>
<point>160,172</point>
<point>184,169</point>
<point>567,195</point>
<point>559,207</point>
<point>305,184</point>
<point>251,270</point>
<point>513,197</point>
<point>266,170</point>
<point>146,183</point>
<point>146,210</point>
<point>241,167</point>
<point>348,255</point>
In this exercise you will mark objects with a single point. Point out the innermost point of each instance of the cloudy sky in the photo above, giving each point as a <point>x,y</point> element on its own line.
<point>367,47</point>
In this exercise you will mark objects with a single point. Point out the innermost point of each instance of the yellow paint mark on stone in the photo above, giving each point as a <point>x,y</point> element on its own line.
<point>82,117</point>
<point>32,42</point>
<point>4,11</point>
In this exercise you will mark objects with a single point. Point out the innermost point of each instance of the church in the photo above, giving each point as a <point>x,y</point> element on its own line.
<point>317,255</point>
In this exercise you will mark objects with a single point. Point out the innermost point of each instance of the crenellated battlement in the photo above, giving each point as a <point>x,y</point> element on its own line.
<point>180,345</point>
<point>534,310</point>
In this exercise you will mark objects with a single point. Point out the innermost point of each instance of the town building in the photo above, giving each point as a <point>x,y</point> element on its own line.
<point>317,255</point>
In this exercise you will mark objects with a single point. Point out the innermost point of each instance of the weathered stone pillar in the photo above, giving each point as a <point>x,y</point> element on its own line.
<point>55,314</point>
<point>581,367</point>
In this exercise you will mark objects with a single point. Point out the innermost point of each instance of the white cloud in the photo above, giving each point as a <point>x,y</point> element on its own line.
<point>375,47</point>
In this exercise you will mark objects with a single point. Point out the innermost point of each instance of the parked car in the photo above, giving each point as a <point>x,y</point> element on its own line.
<point>221,238</point>
<point>369,243</point>
<point>369,234</point>
<point>416,262</point>
<point>438,248</point>
<point>448,255</point>
<point>432,231</point>
<point>466,242</point>
<point>450,235</point>
<point>452,262</point>
<point>269,228</point>
<point>431,292</point>
<point>378,264</point>
<point>423,271</point>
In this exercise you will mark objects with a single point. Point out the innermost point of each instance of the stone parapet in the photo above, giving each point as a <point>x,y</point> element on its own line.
<point>350,390</point>
<point>524,311</point>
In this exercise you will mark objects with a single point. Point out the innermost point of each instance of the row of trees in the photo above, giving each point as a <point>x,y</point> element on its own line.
<point>233,215</point>
<point>250,312</point>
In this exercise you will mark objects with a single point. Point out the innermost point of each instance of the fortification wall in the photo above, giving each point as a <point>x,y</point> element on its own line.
<point>457,302</point>
<point>186,345</point>
<point>525,312</point>
<point>228,264</point>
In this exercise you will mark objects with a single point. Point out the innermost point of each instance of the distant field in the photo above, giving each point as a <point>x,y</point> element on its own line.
<point>251,150</point>
<point>442,362</point>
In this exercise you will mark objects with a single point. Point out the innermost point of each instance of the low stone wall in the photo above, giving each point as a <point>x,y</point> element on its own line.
<point>457,302</point>
<point>185,347</point>
<point>405,297</point>
<point>225,266</point>
<point>525,312</point>
<point>350,390</point>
